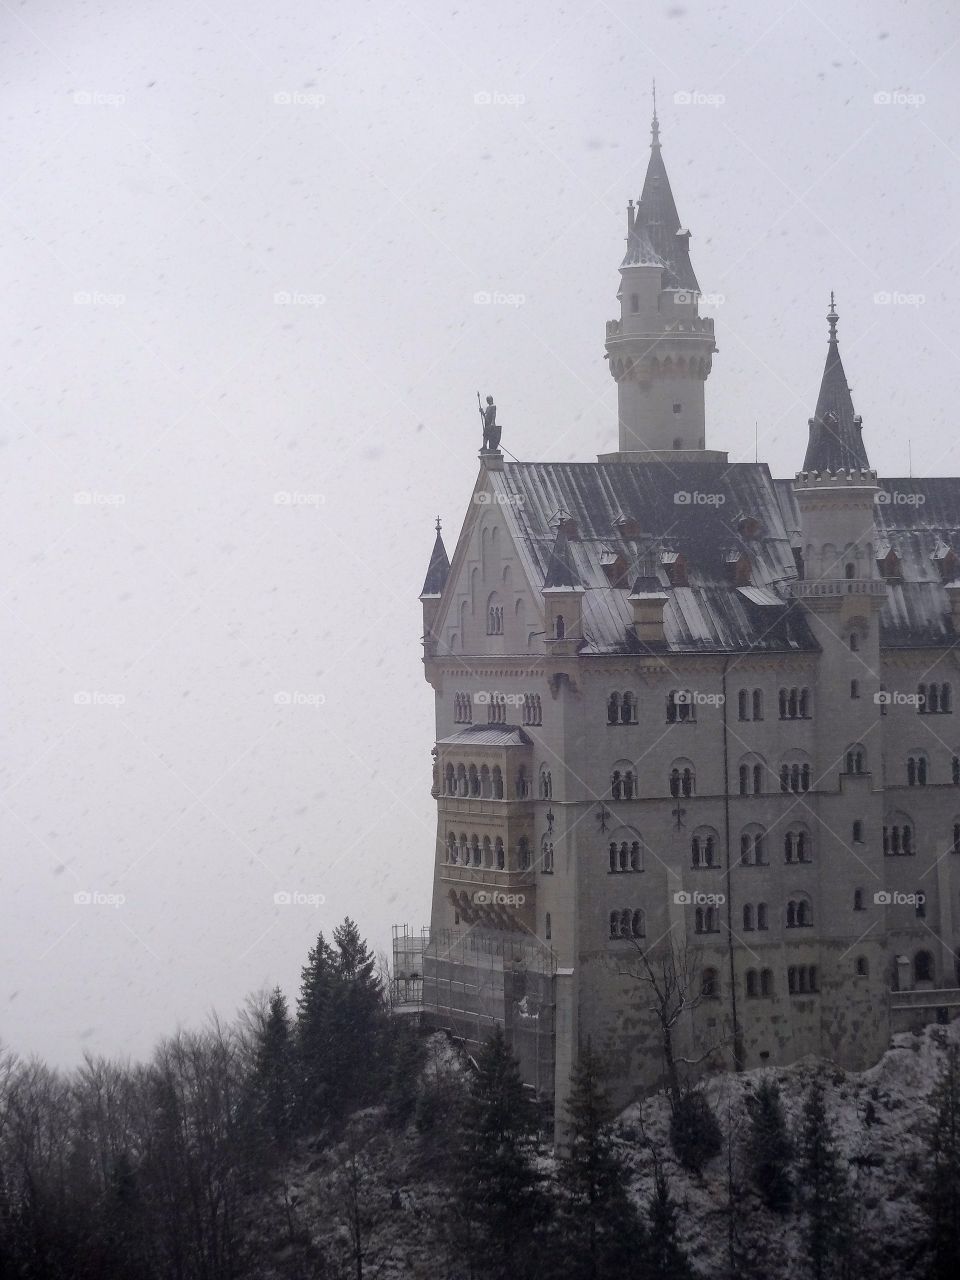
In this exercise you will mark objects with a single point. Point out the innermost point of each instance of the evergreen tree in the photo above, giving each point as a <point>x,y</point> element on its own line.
<point>499,1188</point>
<point>599,1228</point>
<point>313,1032</point>
<point>665,1258</point>
<point>941,1185</point>
<point>357,1025</point>
<point>825,1195</point>
<point>406,1061</point>
<point>274,1075</point>
<point>769,1149</point>
<point>694,1132</point>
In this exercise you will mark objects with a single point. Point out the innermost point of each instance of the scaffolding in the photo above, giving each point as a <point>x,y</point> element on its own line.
<point>406,983</point>
<point>472,980</point>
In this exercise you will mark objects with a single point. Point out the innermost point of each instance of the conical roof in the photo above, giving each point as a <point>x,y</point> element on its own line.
<point>835,440</point>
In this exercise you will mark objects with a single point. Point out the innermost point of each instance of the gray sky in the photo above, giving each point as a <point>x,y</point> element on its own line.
<point>172,172</point>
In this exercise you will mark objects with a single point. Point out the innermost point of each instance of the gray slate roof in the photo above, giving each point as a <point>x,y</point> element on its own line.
<point>488,735</point>
<point>835,440</point>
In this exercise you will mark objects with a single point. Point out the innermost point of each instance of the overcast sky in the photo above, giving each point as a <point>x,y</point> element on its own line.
<point>241,246</point>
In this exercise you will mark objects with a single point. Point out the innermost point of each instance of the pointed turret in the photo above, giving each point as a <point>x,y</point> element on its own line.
<point>438,568</point>
<point>561,575</point>
<point>660,349</point>
<point>835,443</point>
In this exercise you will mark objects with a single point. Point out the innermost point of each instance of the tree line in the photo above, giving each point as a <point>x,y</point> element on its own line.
<point>179,1168</point>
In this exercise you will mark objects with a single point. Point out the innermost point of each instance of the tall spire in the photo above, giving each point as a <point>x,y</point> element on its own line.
<point>657,222</point>
<point>835,430</point>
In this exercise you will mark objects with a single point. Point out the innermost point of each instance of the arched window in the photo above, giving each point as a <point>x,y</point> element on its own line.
<point>547,926</point>
<point>703,848</point>
<point>559,628</point>
<point>753,984</point>
<point>499,854</point>
<point>804,704</point>
<point>799,915</point>
<point>474,779</point>
<point>742,704</point>
<point>762,915</point>
<point>486,790</point>
<point>857,834</point>
<point>766,982</point>
<point>497,780</point>
<point>623,783</point>
<point>854,688</point>
<point>757,704</point>
<point>546,783</point>
<point>681,708</point>
<point>613,709</point>
<point>747,917</point>
<point>795,774</point>
<point>487,852</point>
<point>917,770</point>
<point>450,780</point>
<point>849,570</point>
<point>955,770</point>
<point>923,967</point>
<point>523,853</point>
<point>863,969</point>
<point>855,759</point>
<point>753,846</point>
<point>628,709</point>
<point>546,856</point>
<point>858,900</point>
<point>494,616</point>
<point>854,642</point>
<point>462,783</point>
<point>452,847</point>
<point>710,984</point>
<point>945,699</point>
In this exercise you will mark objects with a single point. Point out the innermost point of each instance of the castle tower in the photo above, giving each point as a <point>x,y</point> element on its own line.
<point>660,350</point>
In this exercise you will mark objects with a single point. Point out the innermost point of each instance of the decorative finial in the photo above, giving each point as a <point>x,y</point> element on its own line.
<point>832,318</point>
<point>655,125</point>
<point>438,524</point>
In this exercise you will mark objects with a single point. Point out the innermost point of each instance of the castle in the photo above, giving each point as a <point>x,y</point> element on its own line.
<point>697,757</point>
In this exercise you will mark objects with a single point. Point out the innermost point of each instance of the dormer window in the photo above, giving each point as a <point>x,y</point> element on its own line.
<point>675,563</point>
<point>889,564</point>
<point>748,526</point>
<point>615,568</point>
<point>946,562</point>
<point>634,303</point>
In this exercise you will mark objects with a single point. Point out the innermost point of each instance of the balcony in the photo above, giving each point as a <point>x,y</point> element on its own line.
<point>487,877</point>
<point>825,587</point>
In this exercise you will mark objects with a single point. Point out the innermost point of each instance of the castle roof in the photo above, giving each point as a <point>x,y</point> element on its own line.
<point>437,570</point>
<point>488,735</point>
<point>835,440</point>
<point>560,574</point>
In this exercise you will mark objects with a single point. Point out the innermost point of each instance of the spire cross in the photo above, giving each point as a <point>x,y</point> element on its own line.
<point>655,126</point>
<point>832,318</point>
<point>438,524</point>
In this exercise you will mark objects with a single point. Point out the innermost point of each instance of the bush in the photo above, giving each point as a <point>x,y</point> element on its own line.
<point>694,1133</point>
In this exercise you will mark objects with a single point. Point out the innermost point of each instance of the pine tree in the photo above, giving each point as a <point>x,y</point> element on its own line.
<point>358,1024</point>
<point>694,1132</point>
<point>769,1149</point>
<point>274,1075</point>
<point>825,1194</point>
<point>599,1228</point>
<point>941,1186</point>
<point>406,1061</point>
<point>665,1259</point>
<point>499,1188</point>
<point>313,1032</point>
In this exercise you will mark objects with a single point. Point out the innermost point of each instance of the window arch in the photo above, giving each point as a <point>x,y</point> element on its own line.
<point>681,708</point>
<point>523,853</point>
<point>463,786</point>
<point>613,709</point>
<point>486,789</point>
<point>546,783</point>
<point>753,846</point>
<point>799,913</point>
<point>496,778</point>
<point>546,856</point>
<point>898,838</point>
<point>499,854</point>
<point>710,984</point>
<point>462,708</point>
<point>705,848</point>
<point>623,781</point>
<point>762,916</point>
<point>857,831</point>
<point>682,778</point>
<point>923,967</point>
<point>858,904</point>
<point>559,627</point>
<point>750,704</point>
<point>748,917</point>
<point>452,853</point>
<point>473,779</point>
<point>487,848</point>
<point>794,703</point>
<point>862,967</point>
<point>494,615</point>
<point>855,759</point>
<point>917,769</point>
<point>707,920</point>
<point>795,773</point>
<point>751,771</point>
<point>627,922</point>
<point>797,843</point>
<point>934,699</point>
<point>522,784</point>
<point>626,850</point>
<point>622,708</point>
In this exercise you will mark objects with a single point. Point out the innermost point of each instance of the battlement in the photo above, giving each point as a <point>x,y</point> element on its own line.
<point>835,479</point>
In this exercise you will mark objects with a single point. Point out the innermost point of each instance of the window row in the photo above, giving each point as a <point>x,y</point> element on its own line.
<point>802,979</point>
<point>794,704</point>
<point>477,851</point>
<point>622,708</point>
<point>759,982</point>
<point>462,708</point>
<point>486,783</point>
<point>626,855</point>
<point>627,923</point>
<point>934,699</point>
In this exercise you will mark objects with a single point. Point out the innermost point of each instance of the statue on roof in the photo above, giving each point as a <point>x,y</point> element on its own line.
<point>491,430</point>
